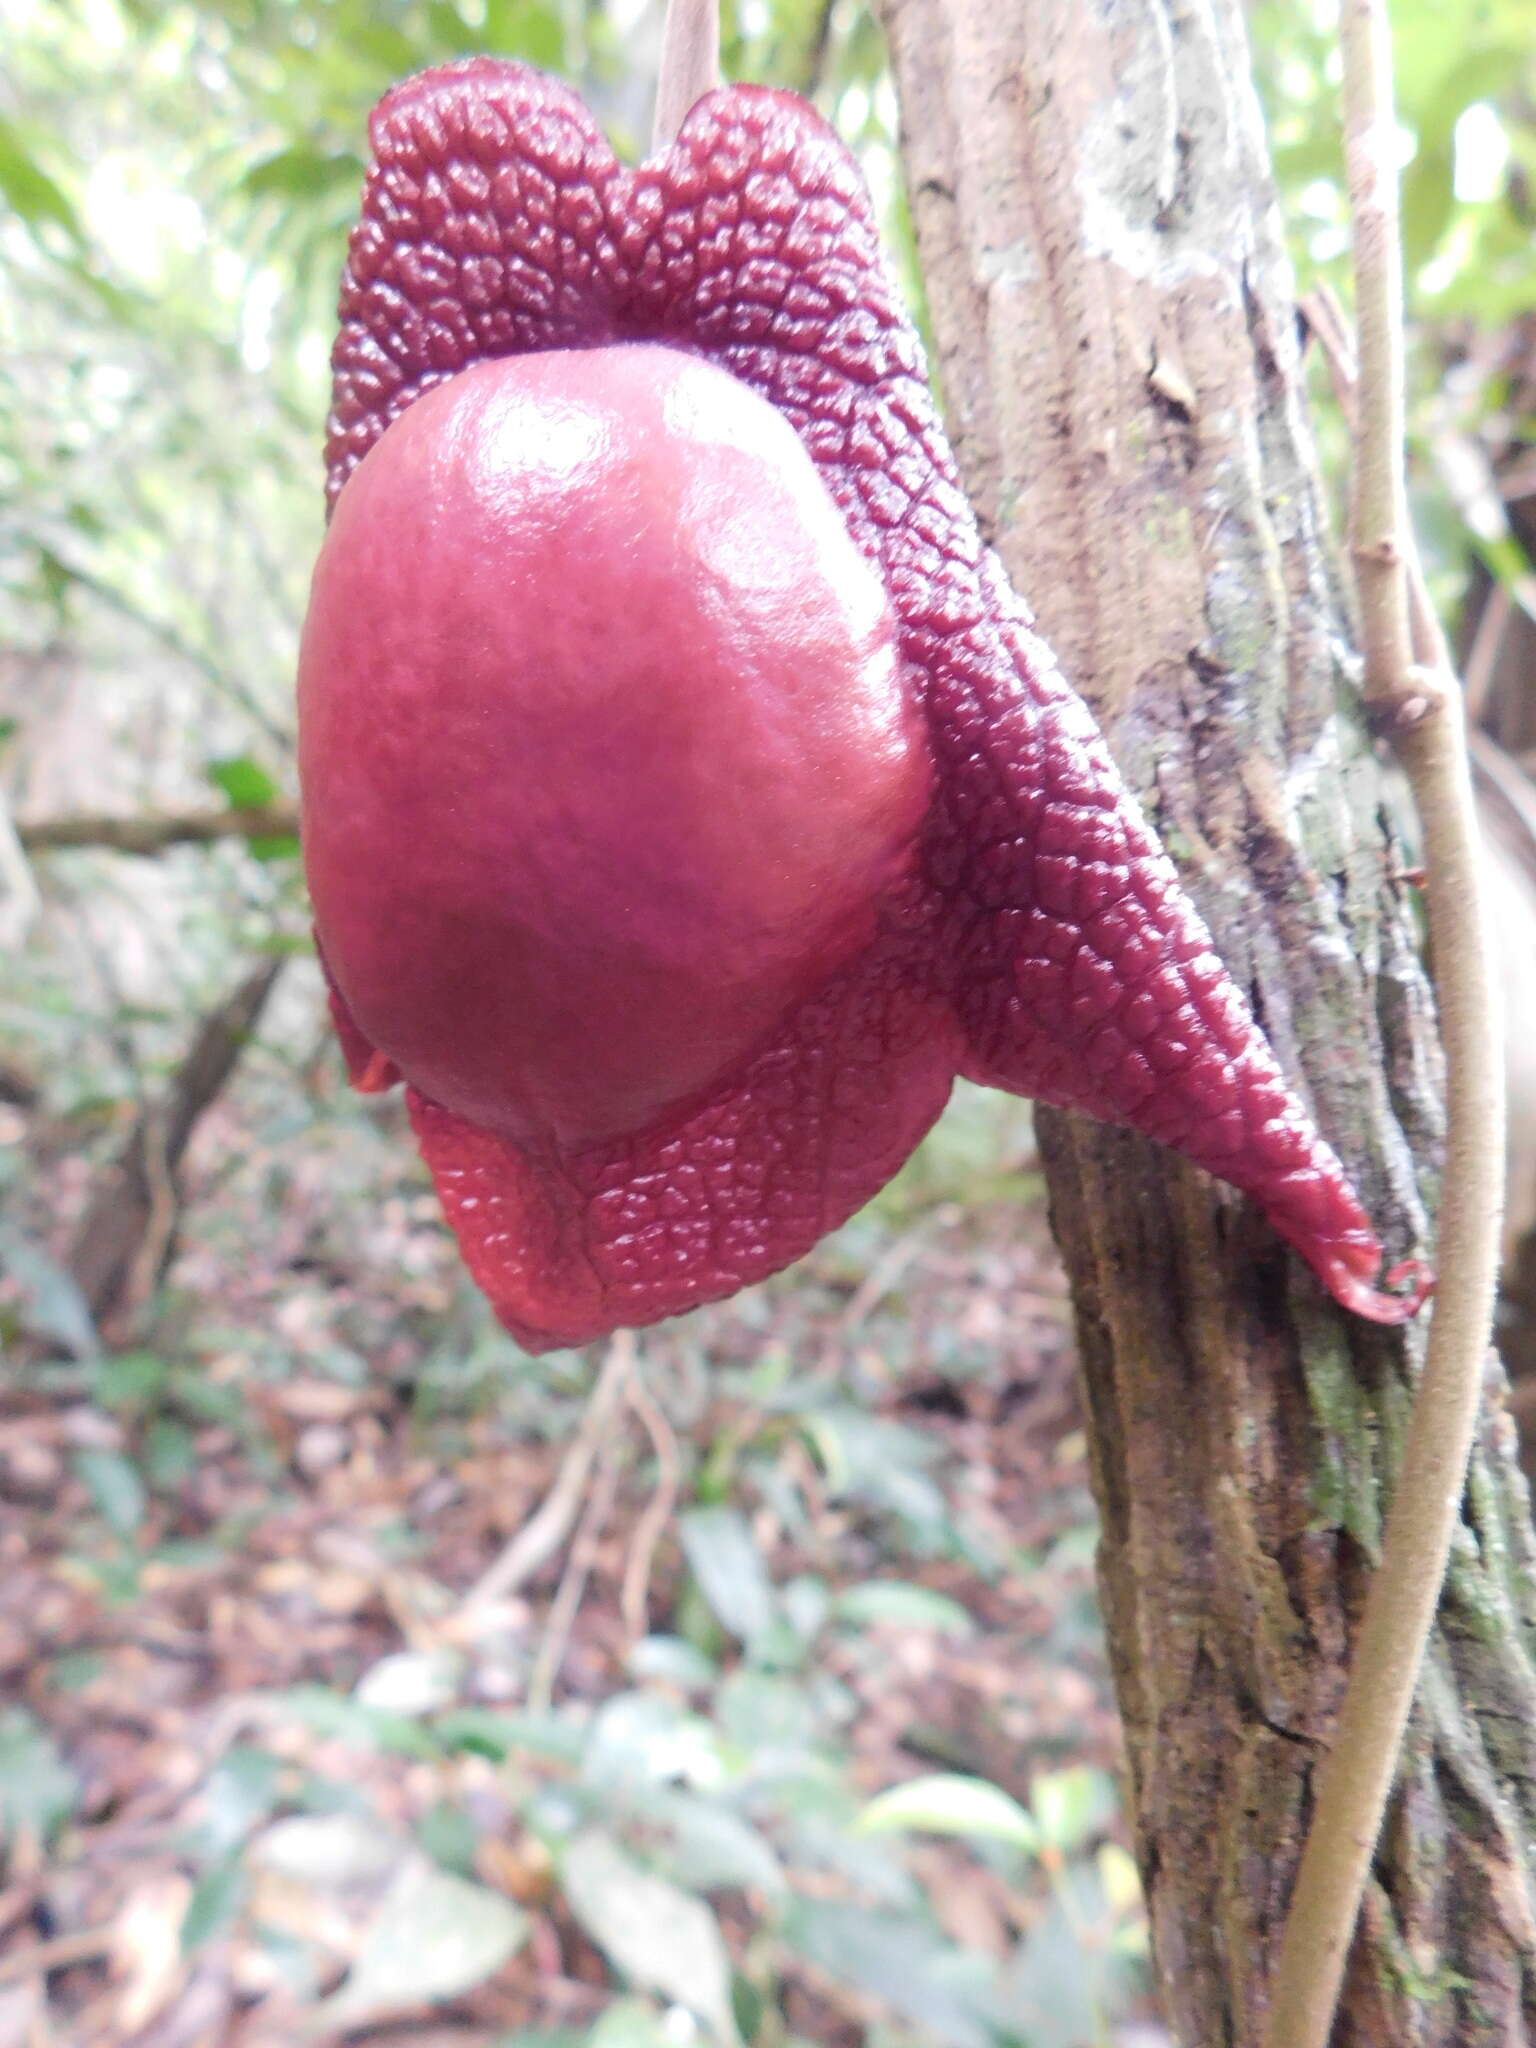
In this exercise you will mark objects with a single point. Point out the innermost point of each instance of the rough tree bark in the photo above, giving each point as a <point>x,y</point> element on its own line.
<point>1117,349</point>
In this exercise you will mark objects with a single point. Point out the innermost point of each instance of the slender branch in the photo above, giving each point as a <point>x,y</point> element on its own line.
<point>1478,495</point>
<point>1487,644</point>
<point>171,638</point>
<point>122,1241</point>
<point>154,832</point>
<point>819,49</point>
<point>566,1604</point>
<point>1379,492</point>
<point>1356,1778</point>
<point>634,1599</point>
<point>19,900</point>
<point>887,1270</point>
<point>690,64</point>
<point>64,1952</point>
<point>537,1540</point>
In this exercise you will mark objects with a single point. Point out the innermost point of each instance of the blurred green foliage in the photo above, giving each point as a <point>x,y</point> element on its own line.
<point>1465,84</point>
<point>1466,106</point>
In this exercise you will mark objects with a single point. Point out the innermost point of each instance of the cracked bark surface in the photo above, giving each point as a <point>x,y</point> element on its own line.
<point>1116,341</point>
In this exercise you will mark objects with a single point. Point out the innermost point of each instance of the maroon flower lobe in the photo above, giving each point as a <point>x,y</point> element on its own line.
<point>687,802</point>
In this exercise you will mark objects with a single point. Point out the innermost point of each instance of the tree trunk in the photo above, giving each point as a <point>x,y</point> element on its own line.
<point>1117,346</point>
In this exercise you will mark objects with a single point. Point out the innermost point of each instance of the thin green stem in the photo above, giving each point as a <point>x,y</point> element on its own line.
<point>1356,1779</point>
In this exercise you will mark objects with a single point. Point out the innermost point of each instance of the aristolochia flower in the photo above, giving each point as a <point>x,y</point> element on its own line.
<point>687,800</point>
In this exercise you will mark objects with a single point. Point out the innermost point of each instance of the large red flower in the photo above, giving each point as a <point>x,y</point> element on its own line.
<point>675,860</point>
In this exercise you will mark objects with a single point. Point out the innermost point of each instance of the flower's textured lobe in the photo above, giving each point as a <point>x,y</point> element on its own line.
<point>568,1248</point>
<point>1047,947</point>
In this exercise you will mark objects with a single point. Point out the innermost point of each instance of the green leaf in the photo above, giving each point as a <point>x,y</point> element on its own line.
<point>654,1932</point>
<point>410,1682</point>
<point>761,1710</point>
<point>435,1936</point>
<point>206,1400</point>
<point>488,1732</point>
<point>328,1852</point>
<point>387,46</point>
<point>216,1899</point>
<point>563,2037</point>
<point>247,786</point>
<point>240,1791</point>
<point>1428,203</point>
<point>72,1670</point>
<point>627,2023</point>
<point>1069,1975</point>
<point>865,1457</point>
<point>273,846</point>
<point>1121,1883</point>
<point>712,1848</point>
<point>947,1994</point>
<point>668,1660</point>
<point>129,1382</point>
<point>115,1487</point>
<point>904,1605</point>
<point>730,1570</point>
<point>29,190</point>
<point>328,1713</point>
<point>523,28</point>
<point>37,1788</point>
<point>951,1805</point>
<point>170,1454</point>
<point>448,1835</point>
<point>52,1303</point>
<point>303,171</point>
<point>1072,1805</point>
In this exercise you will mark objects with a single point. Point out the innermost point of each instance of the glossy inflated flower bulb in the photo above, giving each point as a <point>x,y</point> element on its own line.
<point>607,754</point>
<point>679,926</point>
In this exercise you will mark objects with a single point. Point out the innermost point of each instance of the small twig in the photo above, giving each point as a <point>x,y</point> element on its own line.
<point>889,1267</point>
<point>171,638</point>
<point>158,830</point>
<point>112,1000</point>
<point>818,50</point>
<point>19,899</point>
<point>1403,645</point>
<point>1330,329</point>
<point>1469,478</point>
<point>159,1227</point>
<point>1482,656</point>
<point>62,1953</point>
<point>573,1584</point>
<point>634,1598</point>
<point>552,1521</point>
<point>690,64</point>
<point>120,1243</point>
